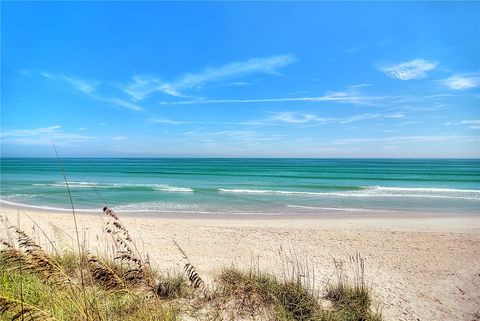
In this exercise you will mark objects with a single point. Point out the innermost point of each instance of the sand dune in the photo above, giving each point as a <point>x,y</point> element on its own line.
<point>420,267</point>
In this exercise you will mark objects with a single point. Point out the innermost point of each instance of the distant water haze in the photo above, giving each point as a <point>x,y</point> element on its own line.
<point>245,186</point>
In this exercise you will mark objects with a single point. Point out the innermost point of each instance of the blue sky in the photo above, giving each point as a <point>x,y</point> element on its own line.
<point>237,79</point>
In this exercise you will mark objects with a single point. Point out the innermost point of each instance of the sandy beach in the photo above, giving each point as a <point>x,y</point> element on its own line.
<point>420,266</point>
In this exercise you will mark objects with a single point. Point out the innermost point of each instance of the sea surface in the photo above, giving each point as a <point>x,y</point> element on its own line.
<point>243,186</point>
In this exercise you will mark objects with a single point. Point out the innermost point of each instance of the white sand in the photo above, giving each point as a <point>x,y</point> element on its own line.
<point>420,267</point>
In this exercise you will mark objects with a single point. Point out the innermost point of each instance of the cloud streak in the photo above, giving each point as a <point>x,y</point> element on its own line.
<point>90,88</point>
<point>362,117</point>
<point>297,118</point>
<point>459,82</point>
<point>42,136</point>
<point>473,124</point>
<point>414,69</point>
<point>143,86</point>
<point>339,97</point>
<point>86,87</point>
<point>403,139</point>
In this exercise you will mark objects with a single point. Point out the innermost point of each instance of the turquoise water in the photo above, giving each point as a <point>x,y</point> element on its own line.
<point>236,186</point>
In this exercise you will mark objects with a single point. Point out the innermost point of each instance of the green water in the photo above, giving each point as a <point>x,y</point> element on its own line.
<point>237,186</point>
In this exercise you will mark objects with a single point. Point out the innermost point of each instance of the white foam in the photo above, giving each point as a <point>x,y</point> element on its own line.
<point>130,208</point>
<point>341,209</point>
<point>266,191</point>
<point>168,188</point>
<point>19,196</point>
<point>44,207</point>
<point>155,207</point>
<point>157,187</point>
<point>422,189</point>
<point>376,191</point>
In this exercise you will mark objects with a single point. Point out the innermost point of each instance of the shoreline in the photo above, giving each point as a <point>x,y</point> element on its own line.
<point>379,219</point>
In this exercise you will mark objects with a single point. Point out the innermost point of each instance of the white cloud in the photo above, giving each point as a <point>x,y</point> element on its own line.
<point>402,139</point>
<point>89,88</point>
<point>297,118</point>
<point>471,122</point>
<point>458,82</point>
<point>42,136</point>
<point>248,135</point>
<point>118,138</point>
<point>414,69</point>
<point>411,122</point>
<point>361,117</point>
<point>474,124</point>
<point>168,121</point>
<point>142,86</point>
<point>268,65</point>
<point>339,97</point>
<point>359,86</point>
<point>86,87</point>
<point>120,102</point>
<point>239,83</point>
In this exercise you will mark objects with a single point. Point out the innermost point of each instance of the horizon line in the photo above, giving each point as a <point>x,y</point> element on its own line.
<point>240,157</point>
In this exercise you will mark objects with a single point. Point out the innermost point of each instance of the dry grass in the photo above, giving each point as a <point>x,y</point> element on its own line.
<point>256,293</point>
<point>351,299</point>
<point>42,284</point>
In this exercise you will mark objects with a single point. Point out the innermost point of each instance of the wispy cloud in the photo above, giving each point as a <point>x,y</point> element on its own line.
<point>473,124</point>
<point>168,121</point>
<point>89,88</point>
<point>432,108</point>
<point>118,138</point>
<point>414,69</point>
<point>297,118</point>
<point>403,139</point>
<point>459,82</point>
<point>84,86</point>
<point>411,122</point>
<point>120,102</point>
<point>268,65</point>
<point>143,86</point>
<point>234,136</point>
<point>361,117</point>
<point>291,118</point>
<point>333,96</point>
<point>42,136</point>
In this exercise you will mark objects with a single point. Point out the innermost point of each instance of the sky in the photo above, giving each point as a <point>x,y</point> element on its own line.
<point>240,79</point>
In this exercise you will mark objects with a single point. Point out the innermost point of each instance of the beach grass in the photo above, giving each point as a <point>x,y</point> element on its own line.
<point>39,282</point>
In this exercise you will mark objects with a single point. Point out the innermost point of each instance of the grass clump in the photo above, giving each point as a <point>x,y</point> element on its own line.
<point>171,287</point>
<point>255,292</point>
<point>351,299</point>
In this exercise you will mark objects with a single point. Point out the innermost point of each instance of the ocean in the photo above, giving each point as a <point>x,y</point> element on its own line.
<point>245,186</point>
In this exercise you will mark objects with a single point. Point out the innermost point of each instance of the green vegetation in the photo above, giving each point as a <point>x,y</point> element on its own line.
<point>256,293</point>
<point>40,284</point>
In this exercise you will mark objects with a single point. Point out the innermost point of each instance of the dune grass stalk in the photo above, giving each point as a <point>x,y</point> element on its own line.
<point>77,234</point>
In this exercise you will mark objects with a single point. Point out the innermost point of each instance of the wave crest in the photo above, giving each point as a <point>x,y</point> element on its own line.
<point>375,191</point>
<point>156,187</point>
